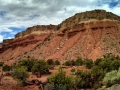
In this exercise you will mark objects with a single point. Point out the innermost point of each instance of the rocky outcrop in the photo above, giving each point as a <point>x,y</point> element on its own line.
<point>6,42</point>
<point>88,34</point>
<point>37,30</point>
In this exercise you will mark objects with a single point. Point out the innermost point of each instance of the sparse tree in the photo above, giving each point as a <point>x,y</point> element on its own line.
<point>20,74</point>
<point>40,67</point>
<point>60,81</point>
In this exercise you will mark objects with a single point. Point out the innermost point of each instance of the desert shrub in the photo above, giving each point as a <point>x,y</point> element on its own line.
<point>60,81</point>
<point>106,65</point>
<point>88,79</point>
<point>98,73</point>
<point>79,61</point>
<point>72,71</point>
<point>20,74</point>
<point>97,61</point>
<point>88,63</point>
<point>109,63</point>
<point>68,63</point>
<point>1,64</point>
<point>115,64</point>
<point>96,86</point>
<point>6,68</point>
<point>72,62</point>
<point>103,66</point>
<point>50,86</point>
<point>51,67</point>
<point>84,78</point>
<point>41,67</point>
<point>78,72</point>
<point>112,78</point>
<point>60,87</point>
<point>50,62</point>
<point>27,63</point>
<point>57,62</point>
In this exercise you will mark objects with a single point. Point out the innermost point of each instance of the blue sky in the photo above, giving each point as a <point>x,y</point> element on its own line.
<point>17,15</point>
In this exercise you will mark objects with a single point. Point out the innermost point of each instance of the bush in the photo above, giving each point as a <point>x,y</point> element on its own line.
<point>50,62</point>
<point>20,74</point>
<point>60,81</point>
<point>85,79</point>
<point>51,67</point>
<point>6,68</point>
<point>115,64</point>
<point>78,72</point>
<point>98,73</point>
<point>96,86</point>
<point>79,61</point>
<point>106,65</point>
<point>41,67</point>
<point>72,71</point>
<point>98,61</point>
<point>88,63</point>
<point>69,63</point>
<point>50,86</point>
<point>73,62</point>
<point>112,78</point>
<point>27,63</point>
<point>57,62</point>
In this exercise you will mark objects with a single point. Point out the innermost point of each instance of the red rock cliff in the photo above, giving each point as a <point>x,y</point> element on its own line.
<point>37,30</point>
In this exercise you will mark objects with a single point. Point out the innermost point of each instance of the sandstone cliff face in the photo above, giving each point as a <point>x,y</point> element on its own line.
<point>37,30</point>
<point>89,34</point>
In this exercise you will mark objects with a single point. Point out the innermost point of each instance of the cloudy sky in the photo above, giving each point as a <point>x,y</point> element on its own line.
<point>17,15</point>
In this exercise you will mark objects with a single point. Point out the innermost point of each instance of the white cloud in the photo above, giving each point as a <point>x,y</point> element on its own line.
<point>1,38</point>
<point>4,29</point>
<point>26,13</point>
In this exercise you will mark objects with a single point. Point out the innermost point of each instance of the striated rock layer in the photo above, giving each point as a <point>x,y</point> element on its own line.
<point>89,34</point>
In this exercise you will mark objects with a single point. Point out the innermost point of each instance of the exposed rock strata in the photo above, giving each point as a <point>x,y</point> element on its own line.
<point>39,29</point>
